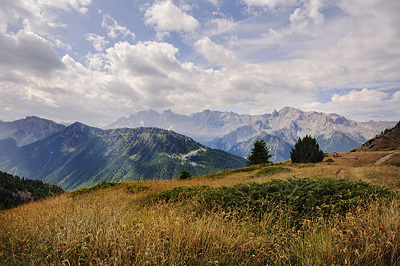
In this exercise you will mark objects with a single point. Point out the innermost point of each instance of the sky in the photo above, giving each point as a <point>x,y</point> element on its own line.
<point>94,61</point>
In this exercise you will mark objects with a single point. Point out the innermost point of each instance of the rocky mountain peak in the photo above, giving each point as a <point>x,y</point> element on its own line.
<point>77,126</point>
<point>167,112</point>
<point>288,110</point>
<point>28,130</point>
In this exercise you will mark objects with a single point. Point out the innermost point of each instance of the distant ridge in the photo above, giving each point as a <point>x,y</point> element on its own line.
<point>235,133</point>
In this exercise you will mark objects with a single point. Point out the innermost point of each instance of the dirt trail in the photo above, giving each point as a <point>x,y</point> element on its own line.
<point>383,159</point>
<point>340,174</point>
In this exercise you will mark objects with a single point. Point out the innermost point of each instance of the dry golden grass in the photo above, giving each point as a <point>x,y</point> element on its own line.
<point>110,227</point>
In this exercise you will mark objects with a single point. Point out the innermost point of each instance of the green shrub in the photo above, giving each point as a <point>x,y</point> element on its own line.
<point>304,197</point>
<point>100,186</point>
<point>224,173</point>
<point>136,187</point>
<point>330,160</point>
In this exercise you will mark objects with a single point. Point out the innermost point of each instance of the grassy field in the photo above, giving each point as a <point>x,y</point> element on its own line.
<point>136,224</point>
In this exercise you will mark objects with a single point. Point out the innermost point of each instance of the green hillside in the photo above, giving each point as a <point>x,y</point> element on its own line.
<point>81,156</point>
<point>15,191</point>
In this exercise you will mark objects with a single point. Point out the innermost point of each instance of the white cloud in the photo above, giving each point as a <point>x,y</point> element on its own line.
<point>114,30</point>
<point>363,105</point>
<point>216,54</point>
<point>39,16</point>
<point>214,2</point>
<point>98,42</point>
<point>66,5</point>
<point>95,61</point>
<point>167,17</point>
<point>270,4</point>
<point>364,95</point>
<point>127,78</point>
<point>355,49</point>
<point>305,21</point>
<point>217,26</point>
<point>26,51</point>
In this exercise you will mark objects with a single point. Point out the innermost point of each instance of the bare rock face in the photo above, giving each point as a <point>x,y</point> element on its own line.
<point>23,195</point>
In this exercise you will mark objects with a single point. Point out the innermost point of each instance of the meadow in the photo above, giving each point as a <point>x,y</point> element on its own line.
<point>341,212</point>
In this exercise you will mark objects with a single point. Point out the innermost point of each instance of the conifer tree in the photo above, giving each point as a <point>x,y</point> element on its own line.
<point>306,150</point>
<point>184,175</point>
<point>259,154</point>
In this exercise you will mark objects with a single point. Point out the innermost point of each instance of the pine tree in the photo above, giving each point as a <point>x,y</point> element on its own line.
<point>184,175</point>
<point>259,154</point>
<point>306,150</point>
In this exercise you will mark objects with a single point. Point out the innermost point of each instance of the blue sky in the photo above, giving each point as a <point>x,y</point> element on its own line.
<point>95,61</point>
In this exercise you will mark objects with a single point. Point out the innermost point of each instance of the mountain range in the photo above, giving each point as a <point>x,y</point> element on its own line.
<point>236,133</point>
<point>80,156</point>
<point>150,145</point>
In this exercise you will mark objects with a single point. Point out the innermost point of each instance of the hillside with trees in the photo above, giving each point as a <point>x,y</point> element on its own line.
<point>81,156</point>
<point>15,191</point>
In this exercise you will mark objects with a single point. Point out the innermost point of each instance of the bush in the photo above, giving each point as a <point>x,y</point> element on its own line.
<point>304,197</point>
<point>306,150</point>
<point>99,186</point>
<point>136,187</point>
<point>184,175</point>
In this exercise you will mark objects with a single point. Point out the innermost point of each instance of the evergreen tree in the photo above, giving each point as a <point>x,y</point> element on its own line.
<point>259,154</point>
<point>306,150</point>
<point>184,175</point>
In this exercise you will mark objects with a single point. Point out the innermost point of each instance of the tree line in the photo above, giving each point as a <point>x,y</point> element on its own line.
<point>15,191</point>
